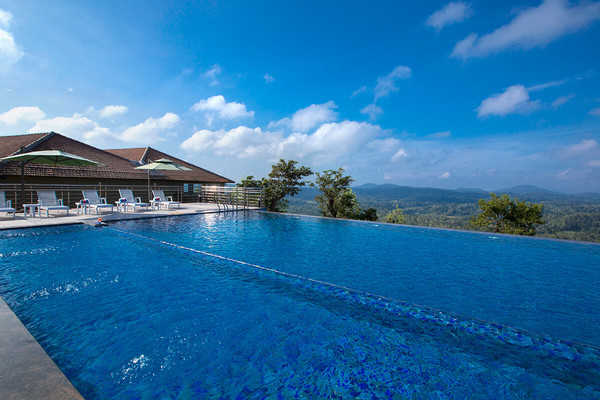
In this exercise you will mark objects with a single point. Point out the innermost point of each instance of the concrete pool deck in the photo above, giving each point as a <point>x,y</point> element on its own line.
<point>26,371</point>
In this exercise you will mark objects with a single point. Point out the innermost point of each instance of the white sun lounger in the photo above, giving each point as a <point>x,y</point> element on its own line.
<point>162,200</point>
<point>48,201</point>
<point>132,202</point>
<point>6,205</point>
<point>94,201</point>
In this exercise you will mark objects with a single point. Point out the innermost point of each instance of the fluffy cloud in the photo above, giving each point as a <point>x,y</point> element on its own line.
<point>562,100</point>
<point>151,130</point>
<point>387,84</point>
<point>218,107</point>
<point>307,118</point>
<point>451,13</point>
<point>18,114</point>
<point>112,111</point>
<point>10,51</point>
<point>76,127</point>
<point>514,100</point>
<point>372,110</point>
<point>328,142</point>
<point>445,175</point>
<point>532,27</point>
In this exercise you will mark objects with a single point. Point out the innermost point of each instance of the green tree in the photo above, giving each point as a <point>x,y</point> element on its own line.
<point>395,216</point>
<point>285,179</point>
<point>336,200</point>
<point>501,214</point>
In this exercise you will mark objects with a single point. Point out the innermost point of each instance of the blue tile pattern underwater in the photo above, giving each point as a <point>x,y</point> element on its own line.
<point>255,305</point>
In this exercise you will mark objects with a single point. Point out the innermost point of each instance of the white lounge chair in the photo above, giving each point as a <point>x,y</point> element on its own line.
<point>131,201</point>
<point>162,200</point>
<point>94,201</point>
<point>48,201</point>
<point>6,205</point>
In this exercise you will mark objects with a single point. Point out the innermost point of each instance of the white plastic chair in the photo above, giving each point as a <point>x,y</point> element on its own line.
<point>48,201</point>
<point>6,205</point>
<point>162,200</point>
<point>131,201</point>
<point>94,201</point>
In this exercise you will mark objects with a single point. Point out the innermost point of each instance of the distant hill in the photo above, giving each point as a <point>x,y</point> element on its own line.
<point>571,216</point>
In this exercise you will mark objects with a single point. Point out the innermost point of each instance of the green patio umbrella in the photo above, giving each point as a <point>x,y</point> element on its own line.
<point>54,158</point>
<point>162,164</point>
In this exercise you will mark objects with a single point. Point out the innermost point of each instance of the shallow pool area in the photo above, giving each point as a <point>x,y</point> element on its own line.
<point>255,305</point>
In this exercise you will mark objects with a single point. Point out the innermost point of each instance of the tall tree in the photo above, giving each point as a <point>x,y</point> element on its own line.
<point>395,216</point>
<point>336,199</point>
<point>501,214</point>
<point>285,179</point>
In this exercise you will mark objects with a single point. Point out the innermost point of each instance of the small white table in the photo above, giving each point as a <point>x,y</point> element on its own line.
<point>84,207</point>
<point>32,209</point>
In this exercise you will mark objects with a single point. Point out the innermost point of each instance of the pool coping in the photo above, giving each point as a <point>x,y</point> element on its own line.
<point>26,370</point>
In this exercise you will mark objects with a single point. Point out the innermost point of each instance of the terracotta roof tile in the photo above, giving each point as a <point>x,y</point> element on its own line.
<point>118,165</point>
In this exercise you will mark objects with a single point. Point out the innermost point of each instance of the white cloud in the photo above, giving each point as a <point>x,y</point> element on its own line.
<point>399,155</point>
<point>151,130</point>
<point>309,117</point>
<point>112,111</point>
<point>562,100</point>
<point>358,91</point>
<point>18,114</point>
<point>514,100</point>
<point>580,149</point>
<point>328,142</point>
<point>445,175</point>
<point>595,112</point>
<point>532,27</point>
<point>440,135</point>
<point>594,163</point>
<point>213,73</point>
<point>217,106</point>
<point>387,83</point>
<point>10,51</point>
<point>546,85</point>
<point>451,13</point>
<point>372,110</point>
<point>5,18</point>
<point>76,127</point>
<point>268,78</point>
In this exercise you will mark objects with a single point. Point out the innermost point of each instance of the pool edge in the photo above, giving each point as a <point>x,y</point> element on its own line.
<point>26,370</point>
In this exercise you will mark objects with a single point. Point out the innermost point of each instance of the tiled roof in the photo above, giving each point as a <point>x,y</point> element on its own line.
<point>115,166</point>
<point>146,155</point>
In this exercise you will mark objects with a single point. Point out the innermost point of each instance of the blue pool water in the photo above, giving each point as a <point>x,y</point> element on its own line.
<point>191,307</point>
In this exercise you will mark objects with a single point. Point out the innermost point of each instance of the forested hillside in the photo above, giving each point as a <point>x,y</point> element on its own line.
<point>575,217</point>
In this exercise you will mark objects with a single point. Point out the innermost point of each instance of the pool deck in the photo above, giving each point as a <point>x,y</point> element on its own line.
<point>60,218</point>
<point>26,371</point>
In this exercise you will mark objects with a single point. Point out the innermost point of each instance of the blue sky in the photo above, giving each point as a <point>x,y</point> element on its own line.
<point>440,94</point>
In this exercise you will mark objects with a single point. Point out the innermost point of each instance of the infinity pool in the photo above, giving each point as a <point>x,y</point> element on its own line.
<point>256,305</point>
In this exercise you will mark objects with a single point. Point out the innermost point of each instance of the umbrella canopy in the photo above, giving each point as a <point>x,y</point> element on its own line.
<point>48,157</point>
<point>51,157</point>
<point>162,164</point>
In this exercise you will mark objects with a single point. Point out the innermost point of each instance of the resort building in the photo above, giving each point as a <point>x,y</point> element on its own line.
<point>117,171</point>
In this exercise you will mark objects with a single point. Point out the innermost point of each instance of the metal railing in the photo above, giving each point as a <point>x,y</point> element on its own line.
<point>232,197</point>
<point>71,194</point>
<point>226,197</point>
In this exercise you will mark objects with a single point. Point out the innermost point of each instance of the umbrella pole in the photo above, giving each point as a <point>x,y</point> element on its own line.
<point>23,202</point>
<point>148,185</point>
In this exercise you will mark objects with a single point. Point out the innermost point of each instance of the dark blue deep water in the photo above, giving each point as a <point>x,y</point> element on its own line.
<point>256,305</point>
